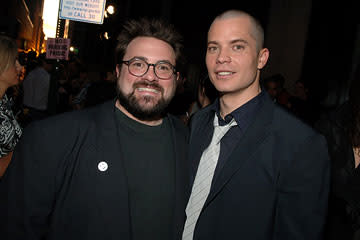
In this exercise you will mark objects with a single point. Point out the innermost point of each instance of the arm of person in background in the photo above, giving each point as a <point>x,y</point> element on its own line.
<point>4,162</point>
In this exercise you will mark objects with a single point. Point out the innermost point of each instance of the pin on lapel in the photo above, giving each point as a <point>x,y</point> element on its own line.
<point>103,166</point>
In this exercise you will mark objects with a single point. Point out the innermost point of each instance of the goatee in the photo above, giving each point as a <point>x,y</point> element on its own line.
<point>131,103</point>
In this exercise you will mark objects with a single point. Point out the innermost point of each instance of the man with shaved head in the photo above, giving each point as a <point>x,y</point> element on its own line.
<point>257,171</point>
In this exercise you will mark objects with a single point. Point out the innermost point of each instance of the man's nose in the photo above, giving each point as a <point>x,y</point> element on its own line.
<point>150,74</point>
<point>223,57</point>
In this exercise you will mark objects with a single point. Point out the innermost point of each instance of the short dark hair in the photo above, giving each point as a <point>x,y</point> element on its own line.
<point>144,27</point>
<point>43,60</point>
<point>276,78</point>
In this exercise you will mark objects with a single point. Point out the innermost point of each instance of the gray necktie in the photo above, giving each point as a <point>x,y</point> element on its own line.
<point>203,179</point>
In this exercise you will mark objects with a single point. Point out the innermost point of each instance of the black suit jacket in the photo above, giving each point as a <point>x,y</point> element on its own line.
<point>53,188</point>
<point>274,185</point>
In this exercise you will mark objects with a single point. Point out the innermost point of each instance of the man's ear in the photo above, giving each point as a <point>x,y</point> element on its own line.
<point>263,58</point>
<point>117,69</point>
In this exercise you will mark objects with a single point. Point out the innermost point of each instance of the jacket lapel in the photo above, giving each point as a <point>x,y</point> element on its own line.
<point>257,132</point>
<point>200,138</point>
<point>111,185</point>
<point>182,185</point>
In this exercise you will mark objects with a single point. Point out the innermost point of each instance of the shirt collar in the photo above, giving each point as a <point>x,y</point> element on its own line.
<point>243,114</point>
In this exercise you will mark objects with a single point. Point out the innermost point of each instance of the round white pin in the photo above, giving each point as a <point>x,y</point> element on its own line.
<point>102,166</point>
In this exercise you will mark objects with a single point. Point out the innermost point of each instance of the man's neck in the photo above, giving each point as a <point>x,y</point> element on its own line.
<point>149,123</point>
<point>231,101</point>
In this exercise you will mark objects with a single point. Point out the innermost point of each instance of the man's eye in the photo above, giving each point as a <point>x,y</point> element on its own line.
<point>212,49</point>
<point>164,67</point>
<point>238,47</point>
<point>138,64</point>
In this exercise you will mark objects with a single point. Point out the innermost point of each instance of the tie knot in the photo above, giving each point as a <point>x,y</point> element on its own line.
<point>220,131</point>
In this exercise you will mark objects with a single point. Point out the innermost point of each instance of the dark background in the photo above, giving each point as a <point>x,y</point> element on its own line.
<point>315,41</point>
<point>330,49</point>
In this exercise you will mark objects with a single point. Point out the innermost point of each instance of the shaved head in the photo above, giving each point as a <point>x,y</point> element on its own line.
<point>257,30</point>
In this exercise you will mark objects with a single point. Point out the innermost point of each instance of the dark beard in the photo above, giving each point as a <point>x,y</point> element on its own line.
<point>131,105</point>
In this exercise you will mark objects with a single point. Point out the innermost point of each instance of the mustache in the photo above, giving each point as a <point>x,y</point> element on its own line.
<point>145,83</point>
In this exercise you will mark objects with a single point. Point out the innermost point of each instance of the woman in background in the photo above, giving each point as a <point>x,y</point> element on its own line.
<point>10,70</point>
<point>342,131</point>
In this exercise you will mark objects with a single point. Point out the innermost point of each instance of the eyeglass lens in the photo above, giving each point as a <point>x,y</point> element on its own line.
<point>139,67</point>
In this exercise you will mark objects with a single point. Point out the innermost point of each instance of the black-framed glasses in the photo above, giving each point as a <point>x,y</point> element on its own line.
<point>139,67</point>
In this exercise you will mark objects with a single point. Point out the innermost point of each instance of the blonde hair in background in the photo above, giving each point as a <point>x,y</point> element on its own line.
<point>8,53</point>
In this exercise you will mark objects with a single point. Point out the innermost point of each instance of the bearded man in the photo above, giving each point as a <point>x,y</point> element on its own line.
<point>115,171</point>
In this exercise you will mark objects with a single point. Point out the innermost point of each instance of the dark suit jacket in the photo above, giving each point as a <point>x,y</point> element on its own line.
<point>54,188</point>
<point>274,185</point>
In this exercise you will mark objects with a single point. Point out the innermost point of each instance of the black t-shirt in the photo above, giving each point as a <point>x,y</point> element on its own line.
<point>149,163</point>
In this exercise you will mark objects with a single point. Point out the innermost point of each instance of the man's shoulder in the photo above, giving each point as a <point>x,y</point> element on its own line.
<point>62,125</point>
<point>286,123</point>
<point>37,74</point>
<point>39,71</point>
<point>65,131</point>
<point>69,121</point>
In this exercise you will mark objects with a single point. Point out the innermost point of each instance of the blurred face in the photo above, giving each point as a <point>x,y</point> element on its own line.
<point>146,97</point>
<point>272,89</point>
<point>300,90</point>
<point>232,58</point>
<point>11,76</point>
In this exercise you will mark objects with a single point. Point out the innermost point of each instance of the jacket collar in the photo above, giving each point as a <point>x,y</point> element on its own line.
<point>256,133</point>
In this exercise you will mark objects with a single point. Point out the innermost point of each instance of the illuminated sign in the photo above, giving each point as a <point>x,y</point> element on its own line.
<point>91,11</point>
<point>57,48</point>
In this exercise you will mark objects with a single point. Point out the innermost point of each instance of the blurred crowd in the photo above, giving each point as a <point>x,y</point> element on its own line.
<point>49,87</point>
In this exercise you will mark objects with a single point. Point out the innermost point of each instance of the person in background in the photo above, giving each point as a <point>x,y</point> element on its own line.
<point>283,94</point>
<point>36,87</point>
<point>274,85</point>
<point>117,170</point>
<point>302,105</point>
<point>342,131</point>
<point>10,130</point>
<point>206,94</point>
<point>271,85</point>
<point>16,93</point>
<point>182,101</point>
<point>78,100</point>
<point>63,91</point>
<point>101,91</point>
<point>257,171</point>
